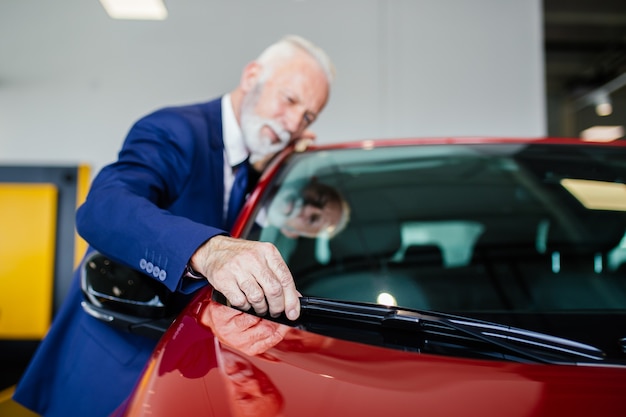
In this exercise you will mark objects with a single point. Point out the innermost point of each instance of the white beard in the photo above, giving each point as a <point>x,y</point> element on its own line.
<point>260,145</point>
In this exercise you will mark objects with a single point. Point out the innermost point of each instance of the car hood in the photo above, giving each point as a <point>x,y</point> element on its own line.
<point>217,361</point>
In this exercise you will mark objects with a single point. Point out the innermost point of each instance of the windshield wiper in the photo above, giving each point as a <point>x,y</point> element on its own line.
<point>439,333</point>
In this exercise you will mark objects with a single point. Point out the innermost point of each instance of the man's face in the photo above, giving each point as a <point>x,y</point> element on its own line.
<point>278,109</point>
<point>308,213</point>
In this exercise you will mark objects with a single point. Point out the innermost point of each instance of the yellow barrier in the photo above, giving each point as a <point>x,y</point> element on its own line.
<point>27,254</point>
<point>9,408</point>
<point>82,188</point>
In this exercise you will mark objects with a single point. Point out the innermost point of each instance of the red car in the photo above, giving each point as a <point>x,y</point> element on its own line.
<point>473,277</point>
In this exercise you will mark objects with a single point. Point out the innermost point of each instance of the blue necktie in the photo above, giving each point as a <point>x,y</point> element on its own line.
<point>238,192</point>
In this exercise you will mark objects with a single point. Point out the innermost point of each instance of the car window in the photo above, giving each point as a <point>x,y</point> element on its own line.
<point>463,228</point>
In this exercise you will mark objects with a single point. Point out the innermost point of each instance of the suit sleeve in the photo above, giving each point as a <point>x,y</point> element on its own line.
<point>125,215</point>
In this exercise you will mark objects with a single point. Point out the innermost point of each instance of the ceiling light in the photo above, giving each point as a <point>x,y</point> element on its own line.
<point>602,133</point>
<point>597,195</point>
<point>603,104</point>
<point>599,97</point>
<point>604,109</point>
<point>135,9</point>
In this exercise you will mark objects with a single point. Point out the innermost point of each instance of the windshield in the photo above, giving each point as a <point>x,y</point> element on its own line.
<point>531,235</point>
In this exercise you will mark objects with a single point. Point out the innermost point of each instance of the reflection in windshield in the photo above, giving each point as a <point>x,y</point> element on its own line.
<point>302,208</point>
<point>597,195</point>
<point>309,210</point>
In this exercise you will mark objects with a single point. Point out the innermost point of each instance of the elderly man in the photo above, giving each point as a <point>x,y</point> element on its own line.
<point>165,207</point>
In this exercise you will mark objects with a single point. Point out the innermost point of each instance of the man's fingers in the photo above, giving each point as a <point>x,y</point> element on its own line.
<point>284,296</point>
<point>253,292</point>
<point>292,302</point>
<point>235,296</point>
<point>250,275</point>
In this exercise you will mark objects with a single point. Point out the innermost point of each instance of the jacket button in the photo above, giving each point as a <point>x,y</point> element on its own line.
<point>162,275</point>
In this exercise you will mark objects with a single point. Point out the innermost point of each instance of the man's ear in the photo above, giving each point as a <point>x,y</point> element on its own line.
<point>250,76</point>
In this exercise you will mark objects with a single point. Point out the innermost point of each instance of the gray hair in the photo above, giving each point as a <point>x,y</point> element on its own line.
<point>286,47</point>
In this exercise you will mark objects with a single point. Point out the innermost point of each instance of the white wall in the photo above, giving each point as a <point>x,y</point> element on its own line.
<point>72,80</point>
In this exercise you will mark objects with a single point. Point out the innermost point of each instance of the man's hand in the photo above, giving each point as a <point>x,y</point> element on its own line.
<point>249,274</point>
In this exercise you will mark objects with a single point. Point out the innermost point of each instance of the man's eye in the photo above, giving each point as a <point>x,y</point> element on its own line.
<point>315,201</point>
<point>314,218</point>
<point>321,201</point>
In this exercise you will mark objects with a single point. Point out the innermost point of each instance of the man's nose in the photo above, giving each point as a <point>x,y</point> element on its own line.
<point>294,119</point>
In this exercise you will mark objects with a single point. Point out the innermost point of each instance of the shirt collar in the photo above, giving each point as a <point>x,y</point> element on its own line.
<point>234,145</point>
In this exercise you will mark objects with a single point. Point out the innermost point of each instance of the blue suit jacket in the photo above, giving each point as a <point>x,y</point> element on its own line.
<point>150,210</point>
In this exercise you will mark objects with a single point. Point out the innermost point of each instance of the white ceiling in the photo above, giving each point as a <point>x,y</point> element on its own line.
<point>73,80</point>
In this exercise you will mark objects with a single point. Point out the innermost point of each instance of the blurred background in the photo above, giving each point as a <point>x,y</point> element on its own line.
<point>73,79</point>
